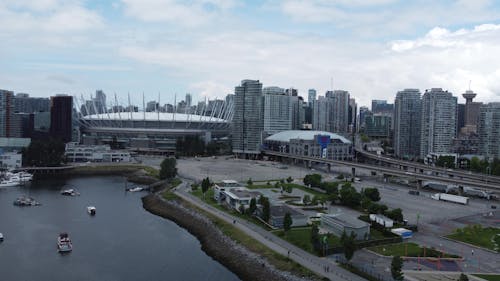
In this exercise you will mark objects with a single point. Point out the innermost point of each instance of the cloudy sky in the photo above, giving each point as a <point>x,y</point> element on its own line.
<point>206,47</point>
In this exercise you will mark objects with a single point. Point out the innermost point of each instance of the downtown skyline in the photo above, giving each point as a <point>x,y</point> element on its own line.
<point>206,47</point>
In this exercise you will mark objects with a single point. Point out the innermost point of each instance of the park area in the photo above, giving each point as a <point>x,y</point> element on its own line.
<point>486,237</point>
<point>409,249</point>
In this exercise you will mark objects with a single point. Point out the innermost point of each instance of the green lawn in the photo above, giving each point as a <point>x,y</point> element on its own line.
<point>301,237</point>
<point>488,277</point>
<point>408,250</point>
<point>488,237</point>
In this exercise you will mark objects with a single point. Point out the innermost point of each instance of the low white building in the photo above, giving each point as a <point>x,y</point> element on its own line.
<point>237,197</point>
<point>95,153</point>
<point>11,160</point>
<point>382,220</point>
<point>224,185</point>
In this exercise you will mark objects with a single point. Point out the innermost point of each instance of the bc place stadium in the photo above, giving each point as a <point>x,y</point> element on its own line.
<point>154,131</point>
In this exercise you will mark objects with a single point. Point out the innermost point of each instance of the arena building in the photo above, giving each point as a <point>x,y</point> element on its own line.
<point>318,144</point>
<point>154,131</point>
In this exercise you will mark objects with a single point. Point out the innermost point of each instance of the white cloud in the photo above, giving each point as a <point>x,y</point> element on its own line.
<point>187,13</point>
<point>47,22</point>
<point>386,17</point>
<point>441,58</point>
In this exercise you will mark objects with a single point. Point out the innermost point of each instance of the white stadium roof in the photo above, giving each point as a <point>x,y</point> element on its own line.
<point>286,136</point>
<point>153,116</point>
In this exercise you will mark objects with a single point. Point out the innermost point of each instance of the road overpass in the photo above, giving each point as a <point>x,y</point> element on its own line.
<point>421,168</point>
<point>389,171</point>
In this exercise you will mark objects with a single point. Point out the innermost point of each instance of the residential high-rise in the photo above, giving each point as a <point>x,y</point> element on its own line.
<point>363,111</point>
<point>100,102</point>
<point>248,124</point>
<point>311,97</point>
<point>340,114</point>
<point>10,125</point>
<point>278,110</point>
<point>188,100</point>
<point>352,114</point>
<point>23,103</point>
<point>489,130</point>
<point>407,118</point>
<point>381,106</point>
<point>61,112</point>
<point>439,123</point>
<point>378,125</point>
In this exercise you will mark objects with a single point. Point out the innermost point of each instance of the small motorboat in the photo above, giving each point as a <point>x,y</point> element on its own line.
<point>91,210</point>
<point>64,243</point>
<point>135,189</point>
<point>70,192</point>
<point>1,237</point>
<point>26,201</point>
<point>10,183</point>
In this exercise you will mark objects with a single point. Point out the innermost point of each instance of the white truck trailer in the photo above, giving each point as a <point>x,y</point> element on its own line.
<point>451,198</point>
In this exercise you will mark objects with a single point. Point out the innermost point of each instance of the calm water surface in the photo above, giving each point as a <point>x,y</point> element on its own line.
<point>122,242</point>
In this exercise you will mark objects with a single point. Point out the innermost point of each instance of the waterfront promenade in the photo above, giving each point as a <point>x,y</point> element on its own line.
<point>321,266</point>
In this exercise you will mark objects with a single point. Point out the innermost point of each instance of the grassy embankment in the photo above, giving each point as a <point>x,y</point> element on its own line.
<point>489,277</point>
<point>487,237</point>
<point>409,250</point>
<point>277,260</point>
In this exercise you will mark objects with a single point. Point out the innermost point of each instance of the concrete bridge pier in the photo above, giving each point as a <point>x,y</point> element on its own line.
<point>386,177</point>
<point>419,184</point>
<point>353,172</point>
<point>329,167</point>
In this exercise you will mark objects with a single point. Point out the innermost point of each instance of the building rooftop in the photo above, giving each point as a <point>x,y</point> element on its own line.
<point>281,210</point>
<point>154,116</point>
<point>345,220</point>
<point>286,136</point>
<point>242,193</point>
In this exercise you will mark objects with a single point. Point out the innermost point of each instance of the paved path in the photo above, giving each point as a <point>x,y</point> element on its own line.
<point>313,263</point>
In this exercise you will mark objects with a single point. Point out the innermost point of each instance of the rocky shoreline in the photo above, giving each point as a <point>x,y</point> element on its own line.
<point>244,263</point>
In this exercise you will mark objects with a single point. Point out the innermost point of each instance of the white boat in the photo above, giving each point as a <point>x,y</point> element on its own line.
<point>9,183</point>
<point>135,189</point>
<point>70,192</point>
<point>1,237</point>
<point>26,201</point>
<point>64,244</point>
<point>91,210</point>
<point>22,177</point>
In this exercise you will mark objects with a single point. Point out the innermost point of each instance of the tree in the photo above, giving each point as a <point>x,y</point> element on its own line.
<point>205,185</point>
<point>288,188</point>
<point>168,168</point>
<point>287,222</point>
<point>266,208</point>
<point>289,180</point>
<point>44,153</point>
<point>463,277</point>
<point>396,266</point>
<point>365,202</point>
<point>396,214</point>
<point>249,182</point>
<point>372,193</point>
<point>349,196</point>
<point>446,161</point>
<point>314,234</point>
<point>313,180</point>
<point>242,209</point>
<point>306,199</point>
<point>253,206</point>
<point>349,245</point>
<point>475,164</point>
